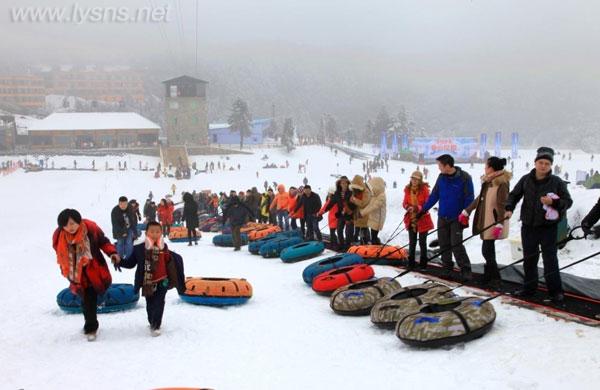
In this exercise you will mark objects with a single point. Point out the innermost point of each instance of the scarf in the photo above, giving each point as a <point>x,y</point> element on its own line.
<point>414,202</point>
<point>489,178</point>
<point>73,253</point>
<point>151,258</point>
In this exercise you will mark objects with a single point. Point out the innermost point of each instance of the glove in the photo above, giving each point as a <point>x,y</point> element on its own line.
<point>115,259</point>
<point>587,230</point>
<point>497,231</point>
<point>463,219</point>
<point>319,217</point>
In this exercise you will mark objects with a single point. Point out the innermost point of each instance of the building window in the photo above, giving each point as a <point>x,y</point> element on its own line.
<point>173,90</point>
<point>173,105</point>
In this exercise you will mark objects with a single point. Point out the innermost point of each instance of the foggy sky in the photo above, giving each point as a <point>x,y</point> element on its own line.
<point>455,63</point>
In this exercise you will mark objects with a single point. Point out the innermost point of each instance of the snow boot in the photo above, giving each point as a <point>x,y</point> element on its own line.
<point>91,336</point>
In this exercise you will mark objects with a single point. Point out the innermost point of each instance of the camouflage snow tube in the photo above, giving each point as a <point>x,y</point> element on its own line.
<point>446,322</point>
<point>357,299</point>
<point>391,308</point>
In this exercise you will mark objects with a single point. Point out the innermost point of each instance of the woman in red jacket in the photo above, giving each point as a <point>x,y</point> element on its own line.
<point>415,196</point>
<point>165,215</point>
<point>332,218</point>
<point>78,243</point>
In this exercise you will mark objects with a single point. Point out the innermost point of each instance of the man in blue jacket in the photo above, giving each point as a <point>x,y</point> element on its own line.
<point>454,190</point>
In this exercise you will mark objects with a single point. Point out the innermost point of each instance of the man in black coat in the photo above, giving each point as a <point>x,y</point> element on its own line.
<point>545,202</point>
<point>238,214</point>
<point>312,204</point>
<point>190,215</point>
<point>123,218</point>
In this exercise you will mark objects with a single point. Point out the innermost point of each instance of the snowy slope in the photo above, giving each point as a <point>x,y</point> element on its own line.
<point>286,337</point>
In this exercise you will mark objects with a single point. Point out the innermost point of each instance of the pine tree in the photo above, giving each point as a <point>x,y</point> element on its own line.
<point>287,137</point>
<point>382,123</point>
<point>240,120</point>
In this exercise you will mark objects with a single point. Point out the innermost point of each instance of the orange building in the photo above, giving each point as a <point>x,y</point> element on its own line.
<point>100,85</point>
<point>23,90</point>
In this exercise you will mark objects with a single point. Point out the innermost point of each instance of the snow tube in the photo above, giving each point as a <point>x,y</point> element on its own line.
<point>206,225</point>
<point>274,247</point>
<point>250,226</point>
<point>216,291</point>
<point>357,299</point>
<point>446,322</point>
<point>331,280</point>
<point>329,263</point>
<point>141,227</point>
<point>386,252</point>
<point>392,307</point>
<point>227,240</point>
<point>179,234</point>
<point>263,232</point>
<point>118,297</point>
<point>254,246</point>
<point>302,251</point>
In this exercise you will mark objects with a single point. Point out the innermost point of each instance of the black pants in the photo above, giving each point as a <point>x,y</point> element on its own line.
<point>166,229</point>
<point>192,232</point>
<point>312,228</point>
<point>345,232</point>
<point>488,250</point>
<point>374,237</point>
<point>533,238</point>
<point>89,306</point>
<point>236,236</point>
<point>450,236</point>
<point>412,247</point>
<point>333,237</point>
<point>155,306</point>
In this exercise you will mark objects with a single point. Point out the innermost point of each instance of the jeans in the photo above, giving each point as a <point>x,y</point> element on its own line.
<point>450,236</point>
<point>312,228</point>
<point>533,238</point>
<point>89,306</point>
<point>155,306</point>
<point>125,245</point>
<point>412,247</point>
<point>283,219</point>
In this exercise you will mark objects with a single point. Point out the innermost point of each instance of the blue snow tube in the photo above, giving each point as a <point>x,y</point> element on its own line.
<point>302,251</point>
<point>118,297</point>
<point>254,246</point>
<point>337,261</point>
<point>227,239</point>
<point>273,248</point>
<point>213,301</point>
<point>141,227</point>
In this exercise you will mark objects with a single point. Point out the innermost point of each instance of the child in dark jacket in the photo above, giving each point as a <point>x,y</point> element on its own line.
<point>158,270</point>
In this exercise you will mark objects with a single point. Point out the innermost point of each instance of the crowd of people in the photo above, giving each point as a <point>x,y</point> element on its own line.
<point>356,213</point>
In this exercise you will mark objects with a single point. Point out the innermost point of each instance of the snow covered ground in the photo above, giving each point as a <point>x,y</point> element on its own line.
<point>286,337</point>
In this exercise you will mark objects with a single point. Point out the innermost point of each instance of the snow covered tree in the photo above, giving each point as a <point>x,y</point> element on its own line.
<point>287,138</point>
<point>331,129</point>
<point>240,119</point>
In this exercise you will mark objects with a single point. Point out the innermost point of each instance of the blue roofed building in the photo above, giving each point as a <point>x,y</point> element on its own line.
<point>221,133</point>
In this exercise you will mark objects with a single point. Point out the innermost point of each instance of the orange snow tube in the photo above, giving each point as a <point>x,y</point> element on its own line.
<point>331,280</point>
<point>218,287</point>
<point>258,234</point>
<point>250,226</point>
<point>180,232</point>
<point>387,252</point>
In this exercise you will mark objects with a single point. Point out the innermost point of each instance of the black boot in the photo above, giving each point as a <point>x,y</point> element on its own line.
<point>465,274</point>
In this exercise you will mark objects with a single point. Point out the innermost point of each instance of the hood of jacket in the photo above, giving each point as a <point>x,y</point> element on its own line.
<point>377,186</point>
<point>357,183</point>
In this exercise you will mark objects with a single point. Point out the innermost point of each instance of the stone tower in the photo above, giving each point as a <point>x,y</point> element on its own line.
<point>186,111</point>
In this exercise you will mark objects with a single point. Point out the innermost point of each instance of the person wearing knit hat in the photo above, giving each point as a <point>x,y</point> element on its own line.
<point>415,196</point>
<point>541,191</point>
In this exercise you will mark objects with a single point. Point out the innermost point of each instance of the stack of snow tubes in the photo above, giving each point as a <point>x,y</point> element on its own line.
<point>118,297</point>
<point>274,247</point>
<point>254,246</point>
<point>302,251</point>
<point>180,234</point>
<point>227,240</point>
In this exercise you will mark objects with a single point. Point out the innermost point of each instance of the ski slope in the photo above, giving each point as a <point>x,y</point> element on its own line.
<point>286,337</point>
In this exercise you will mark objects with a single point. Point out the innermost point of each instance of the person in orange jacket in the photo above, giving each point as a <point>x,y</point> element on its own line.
<point>294,197</point>
<point>332,219</point>
<point>280,206</point>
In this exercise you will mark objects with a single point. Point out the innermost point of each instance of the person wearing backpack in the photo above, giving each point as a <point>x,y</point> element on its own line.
<point>453,190</point>
<point>545,202</point>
